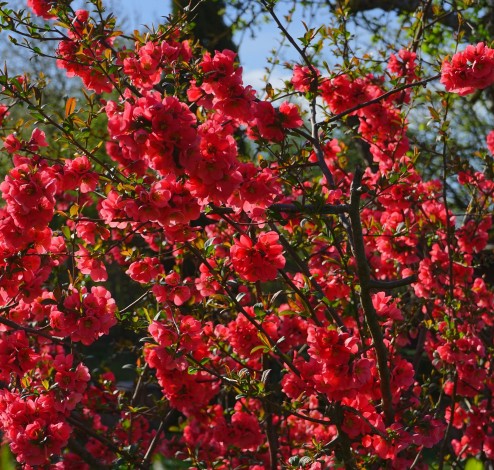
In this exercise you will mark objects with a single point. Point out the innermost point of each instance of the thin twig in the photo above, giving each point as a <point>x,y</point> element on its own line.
<point>389,93</point>
<point>305,270</point>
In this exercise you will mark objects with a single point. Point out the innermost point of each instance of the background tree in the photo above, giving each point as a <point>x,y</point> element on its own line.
<point>208,23</point>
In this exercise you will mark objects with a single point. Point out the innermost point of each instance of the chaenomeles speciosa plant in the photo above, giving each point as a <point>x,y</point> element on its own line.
<point>286,301</point>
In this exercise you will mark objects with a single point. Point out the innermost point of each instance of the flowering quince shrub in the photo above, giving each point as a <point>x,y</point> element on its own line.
<point>292,305</point>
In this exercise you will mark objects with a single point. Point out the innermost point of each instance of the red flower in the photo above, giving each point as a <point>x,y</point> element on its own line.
<point>89,265</point>
<point>42,8</point>
<point>403,64</point>
<point>4,111</point>
<point>302,78</point>
<point>259,262</point>
<point>145,270</point>
<point>290,116</point>
<point>490,142</point>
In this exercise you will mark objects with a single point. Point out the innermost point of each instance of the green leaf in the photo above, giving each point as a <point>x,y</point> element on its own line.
<point>262,347</point>
<point>171,464</point>
<point>6,459</point>
<point>259,311</point>
<point>67,233</point>
<point>74,210</point>
<point>474,464</point>
<point>209,242</point>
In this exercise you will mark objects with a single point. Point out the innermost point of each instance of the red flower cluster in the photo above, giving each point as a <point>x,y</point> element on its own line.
<point>146,67</point>
<point>470,70</point>
<point>381,124</point>
<point>36,425</point>
<point>32,427</point>
<point>403,65</point>
<point>303,77</point>
<point>85,316</point>
<point>185,391</point>
<point>222,87</point>
<point>79,54</point>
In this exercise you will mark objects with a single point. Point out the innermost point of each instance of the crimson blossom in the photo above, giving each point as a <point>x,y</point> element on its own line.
<point>258,261</point>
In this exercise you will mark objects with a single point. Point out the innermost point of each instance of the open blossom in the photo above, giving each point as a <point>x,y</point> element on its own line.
<point>172,290</point>
<point>4,111</point>
<point>89,265</point>
<point>78,174</point>
<point>470,70</point>
<point>385,307</point>
<point>145,270</point>
<point>490,142</point>
<point>16,355</point>
<point>259,261</point>
<point>11,143</point>
<point>85,315</point>
<point>403,64</point>
<point>42,8</point>
<point>272,123</point>
<point>303,78</point>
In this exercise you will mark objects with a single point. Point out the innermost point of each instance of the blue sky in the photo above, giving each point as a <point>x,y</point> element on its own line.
<point>253,52</point>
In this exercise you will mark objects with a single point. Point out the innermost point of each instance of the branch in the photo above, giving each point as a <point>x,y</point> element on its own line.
<point>290,39</point>
<point>28,329</point>
<point>170,416</point>
<point>355,6</point>
<point>406,281</point>
<point>139,385</point>
<point>76,447</point>
<point>366,299</point>
<point>104,440</point>
<point>147,458</point>
<point>311,208</point>
<point>135,302</point>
